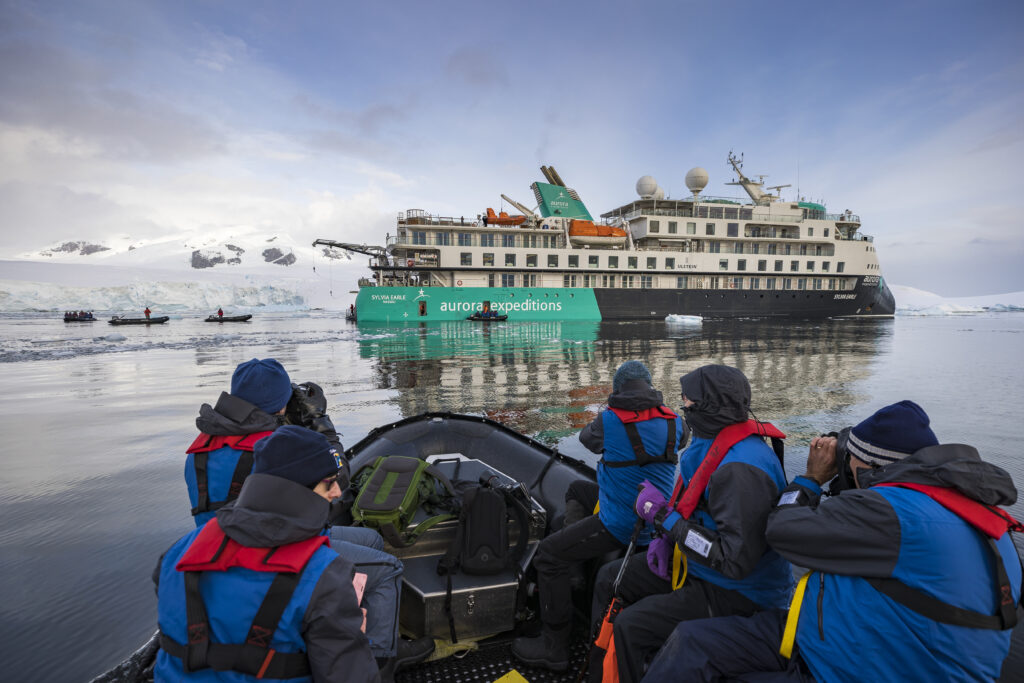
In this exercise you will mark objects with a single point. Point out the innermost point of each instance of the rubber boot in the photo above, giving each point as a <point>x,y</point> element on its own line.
<point>413,651</point>
<point>549,650</point>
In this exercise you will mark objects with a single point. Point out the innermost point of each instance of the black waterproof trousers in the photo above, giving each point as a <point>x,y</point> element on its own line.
<point>654,610</point>
<point>729,648</point>
<point>576,543</point>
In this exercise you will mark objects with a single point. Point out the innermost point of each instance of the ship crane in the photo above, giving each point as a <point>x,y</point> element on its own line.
<point>367,249</point>
<point>752,187</point>
<point>531,217</point>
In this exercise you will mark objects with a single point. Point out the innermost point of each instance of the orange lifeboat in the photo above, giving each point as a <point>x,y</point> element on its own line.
<point>503,218</point>
<point>588,232</point>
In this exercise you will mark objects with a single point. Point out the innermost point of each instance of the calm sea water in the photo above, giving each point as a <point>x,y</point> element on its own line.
<point>95,426</point>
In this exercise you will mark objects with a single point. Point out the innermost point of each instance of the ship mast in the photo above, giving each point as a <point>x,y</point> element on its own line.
<point>753,188</point>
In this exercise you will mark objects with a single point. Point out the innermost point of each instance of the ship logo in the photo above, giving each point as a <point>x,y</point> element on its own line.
<point>422,295</point>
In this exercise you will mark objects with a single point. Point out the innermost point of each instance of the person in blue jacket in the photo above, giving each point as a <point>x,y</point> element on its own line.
<point>221,459</point>
<point>258,592</point>
<point>638,438</point>
<point>912,569</point>
<point>729,567</point>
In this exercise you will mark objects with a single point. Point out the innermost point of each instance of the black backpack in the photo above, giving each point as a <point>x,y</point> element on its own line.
<point>481,545</point>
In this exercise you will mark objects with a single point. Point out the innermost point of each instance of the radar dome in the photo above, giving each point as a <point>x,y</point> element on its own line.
<point>696,179</point>
<point>659,193</point>
<point>646,187</point>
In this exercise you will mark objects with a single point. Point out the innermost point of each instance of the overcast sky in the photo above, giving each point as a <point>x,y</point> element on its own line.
<point>324,119</point>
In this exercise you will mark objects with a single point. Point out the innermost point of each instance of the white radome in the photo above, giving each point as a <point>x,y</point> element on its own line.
<point>646,187</point>
<point>696,179</point>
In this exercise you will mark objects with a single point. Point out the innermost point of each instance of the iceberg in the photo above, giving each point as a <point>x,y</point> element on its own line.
<point>678,319</point>
<point>917,302</point>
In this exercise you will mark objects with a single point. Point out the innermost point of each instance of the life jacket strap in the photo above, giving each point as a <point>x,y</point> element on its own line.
<point>793,617</point>
<point>641,456</point>
<point>200,450</point>
<point>685,499</point>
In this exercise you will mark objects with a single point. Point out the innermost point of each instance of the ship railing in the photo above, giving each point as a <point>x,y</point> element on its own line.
<point>861,237</point>
<point>843,217</point>
<point>367,282</point>
<point>417,217</point>
<point>555,241</point>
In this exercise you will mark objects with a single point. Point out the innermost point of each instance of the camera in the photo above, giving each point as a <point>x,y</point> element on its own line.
<point>844,475</point>
<point>307,407</point>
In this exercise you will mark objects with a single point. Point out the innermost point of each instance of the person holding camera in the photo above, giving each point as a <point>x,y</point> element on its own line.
<point>912,568</point>
<point>710,557</point>
<point>258,591</point>
<point>638,438</point>
<point>263,399</point>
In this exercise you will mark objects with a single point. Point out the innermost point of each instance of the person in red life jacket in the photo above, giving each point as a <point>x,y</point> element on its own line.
<point>220,312</point>
<point>258,592</point>
<point>638,437</point>
<point>912,569</point>
<point>147,312</point>
<point>221,456</point>
<point>715,520</point>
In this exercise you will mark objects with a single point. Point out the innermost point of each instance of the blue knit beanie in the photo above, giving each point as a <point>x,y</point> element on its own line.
<point>631,369</point>
<point>263,383</point>
<point>298,454</point>
<point>891,434</point>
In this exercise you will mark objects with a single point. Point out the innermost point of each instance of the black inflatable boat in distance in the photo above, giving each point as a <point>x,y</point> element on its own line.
<point>139,321</point>
<point>464,446</point>
<point>228,318</point>
<point>492,319</point>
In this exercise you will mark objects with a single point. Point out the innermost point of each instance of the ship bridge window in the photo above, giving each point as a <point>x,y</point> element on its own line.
<point>466,258</point>
<point>531,260</point>
<point>443,239</point>
<point>730,212</point>
<point>841,267</point>
<point>652,263</point>
<point>529,240</point>
<point>510,259</point>
<point>488,259</point>
<point>465,239</point>
<point>419,237</point>
<point>709,229</point>
<point>723,264</point>
<point>746,214</point>
<point>487,240</point>
<point>670,263</point>
<point>691,228</point>
<point>553,261</point>
<point>592,261</point>
<point>613,261</point>
<point>673,227</point>
<point>741,264</point>
<point>715,212</point>
<point>508,240</point>
<point>632,262</point>
<point>655,226</point>
<point>574,261</point>
<point>547,242</point>
<point>732,229</point>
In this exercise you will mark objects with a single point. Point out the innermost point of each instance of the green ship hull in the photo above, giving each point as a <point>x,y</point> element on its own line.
<point>414,304</point>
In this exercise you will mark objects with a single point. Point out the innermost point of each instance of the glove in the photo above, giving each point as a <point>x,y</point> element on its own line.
<point>659,557</point>
<point>649,502</point>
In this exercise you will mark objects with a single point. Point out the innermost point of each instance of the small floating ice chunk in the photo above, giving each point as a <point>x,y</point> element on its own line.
<point>113,337</point>
<point>684,319</point>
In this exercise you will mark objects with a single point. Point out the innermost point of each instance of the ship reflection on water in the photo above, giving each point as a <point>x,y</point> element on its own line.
<point>549,379</point>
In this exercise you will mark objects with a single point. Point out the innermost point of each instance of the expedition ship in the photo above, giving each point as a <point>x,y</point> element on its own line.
<point>653,257</point>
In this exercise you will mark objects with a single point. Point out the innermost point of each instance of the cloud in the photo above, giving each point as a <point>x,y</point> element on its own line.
<point>219,51</point>
<point>476,67</point>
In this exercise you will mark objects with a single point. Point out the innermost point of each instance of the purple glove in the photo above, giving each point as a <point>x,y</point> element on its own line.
<point>659,557</point>
<point>649,501</point>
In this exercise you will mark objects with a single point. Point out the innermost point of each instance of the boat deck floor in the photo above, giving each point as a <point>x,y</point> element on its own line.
<point>492,660</point>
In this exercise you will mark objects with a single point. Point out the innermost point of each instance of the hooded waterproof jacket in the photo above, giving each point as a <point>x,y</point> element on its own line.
<point>321,617</point>
<point>848,630</point>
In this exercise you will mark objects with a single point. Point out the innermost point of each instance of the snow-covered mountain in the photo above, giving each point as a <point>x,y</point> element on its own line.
<point>183,272</point>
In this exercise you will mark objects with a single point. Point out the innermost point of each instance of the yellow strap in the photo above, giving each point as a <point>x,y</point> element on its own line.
<point>597,507</point>
<point>789,634</point>
<point>677,582</point>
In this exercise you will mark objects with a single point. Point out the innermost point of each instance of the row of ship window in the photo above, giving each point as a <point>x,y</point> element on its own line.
<point>733,230</point>
<point>681,282</point>
<point>632,262</point>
